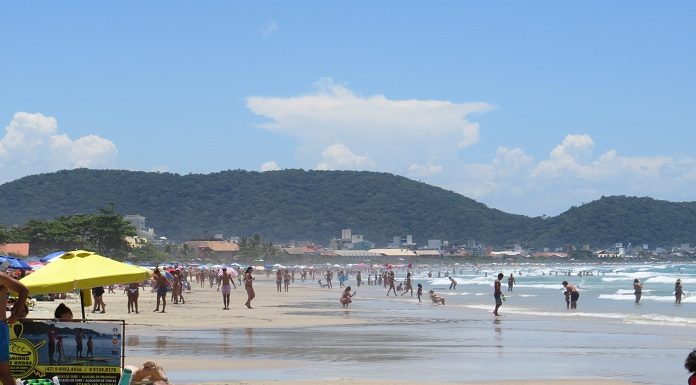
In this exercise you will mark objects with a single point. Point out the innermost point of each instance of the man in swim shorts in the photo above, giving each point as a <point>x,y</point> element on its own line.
<point>574,294</point>
<point>497,293</point>
<point>162,288</point>
<point>225,280</point>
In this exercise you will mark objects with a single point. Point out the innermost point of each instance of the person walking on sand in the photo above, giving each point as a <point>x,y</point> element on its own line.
<point>409,285</point>
<point>225,281</point>
<point>161,286</point>
<point>346,297</point>
<point>248,279</point>
<point>497,293</point>
<point>390,282</point>
<point>637,289</point>
<point>511,282</point>
<point>678,291</point>
<point>574,294</point>
<point>453,284</point>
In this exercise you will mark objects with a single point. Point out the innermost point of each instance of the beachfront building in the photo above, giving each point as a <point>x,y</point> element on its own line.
<point>402,241</point>
<point>15,249</point>
<point>300,251</point>
<point>398,253</point>
<point>215,249</point>
<point>142,232</point>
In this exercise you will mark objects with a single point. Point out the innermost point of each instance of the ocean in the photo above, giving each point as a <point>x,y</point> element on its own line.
<point>608,336</point>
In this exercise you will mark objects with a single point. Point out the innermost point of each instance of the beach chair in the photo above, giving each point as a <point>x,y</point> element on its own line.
<point>126,377</point>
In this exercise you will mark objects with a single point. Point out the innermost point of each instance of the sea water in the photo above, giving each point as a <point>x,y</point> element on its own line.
<point>608,336</point>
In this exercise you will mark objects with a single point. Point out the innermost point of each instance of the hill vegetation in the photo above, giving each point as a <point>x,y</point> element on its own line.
<point>315,205</point>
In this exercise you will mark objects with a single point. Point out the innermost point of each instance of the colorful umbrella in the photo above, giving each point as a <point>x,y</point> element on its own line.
<point>81,270</point>
<point>14,263</point>
<point>52,256</point>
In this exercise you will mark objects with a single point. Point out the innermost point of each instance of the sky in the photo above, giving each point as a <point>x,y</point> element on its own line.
<point>528,107</point>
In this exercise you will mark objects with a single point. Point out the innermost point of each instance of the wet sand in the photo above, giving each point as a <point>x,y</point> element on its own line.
<point>305,337</point>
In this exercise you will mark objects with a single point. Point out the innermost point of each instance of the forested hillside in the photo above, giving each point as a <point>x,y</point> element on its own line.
<point>279,205</point>
<point>316,205</point>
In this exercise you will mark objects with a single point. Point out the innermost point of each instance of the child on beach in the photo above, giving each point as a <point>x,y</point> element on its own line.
<point>690,365</point>
<point>346,297</point>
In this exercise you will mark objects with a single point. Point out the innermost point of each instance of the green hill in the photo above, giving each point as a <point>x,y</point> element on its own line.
<point>279,205</point>
<point>316,205</point>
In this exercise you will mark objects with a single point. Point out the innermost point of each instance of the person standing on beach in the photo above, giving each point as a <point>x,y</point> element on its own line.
<point>409,285</point>
<point>453,284</point>
<point>279,281</point>
<point>98,294</point>
<point>161,286</point>
<point>248,280</point>
<point>390,281</point>
<point>286,280</point>
<point>133,291</point>
<point>497,293</point>
<point>574,294</point>
<point>225,281</point>
<point>678,291</point>
<point>637,289</point>
<point>511,282</point>
<point>358,278</point>
<point>419,292</point>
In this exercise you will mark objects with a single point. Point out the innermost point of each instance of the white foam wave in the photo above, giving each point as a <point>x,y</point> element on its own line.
<point>670,279</point>
<point>652,319</point>
<point>540,286</point>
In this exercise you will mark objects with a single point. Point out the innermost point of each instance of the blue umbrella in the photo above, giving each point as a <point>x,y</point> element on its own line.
<point>50,257</point>
<point>15,263</point>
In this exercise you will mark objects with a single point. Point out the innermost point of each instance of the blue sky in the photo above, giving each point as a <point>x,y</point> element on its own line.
<point>529,107</point>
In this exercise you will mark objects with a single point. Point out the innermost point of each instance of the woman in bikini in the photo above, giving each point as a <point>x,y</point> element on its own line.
<point>248,279</point>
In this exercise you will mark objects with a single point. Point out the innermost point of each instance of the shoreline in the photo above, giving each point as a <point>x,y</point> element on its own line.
<point>288,338</point>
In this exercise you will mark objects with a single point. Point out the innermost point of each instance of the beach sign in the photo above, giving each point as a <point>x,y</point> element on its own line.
<point>78,353</point>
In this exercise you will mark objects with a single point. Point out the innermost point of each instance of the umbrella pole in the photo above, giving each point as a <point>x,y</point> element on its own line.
<point>82,305</point>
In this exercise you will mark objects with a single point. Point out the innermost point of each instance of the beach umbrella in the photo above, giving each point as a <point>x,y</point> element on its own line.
<point>82,270</point>
<point>259,268</point>
<point>231,272</point>
<point>52,256</point>
<point>14,263</point>
<point>36,265</point>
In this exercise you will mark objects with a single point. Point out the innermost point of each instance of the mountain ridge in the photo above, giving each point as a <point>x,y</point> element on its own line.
<point>315,205</point>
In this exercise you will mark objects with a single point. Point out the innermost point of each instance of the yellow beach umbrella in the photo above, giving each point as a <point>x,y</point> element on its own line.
<point>81,270</point>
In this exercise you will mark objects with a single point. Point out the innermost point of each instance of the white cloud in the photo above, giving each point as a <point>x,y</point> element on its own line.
<point>424,169</point>
<point>340,157</point>
<point>392,133</point>
<point>270,28</point>
<point>573,158</point>
<point>32,144</point>
<point>269,166</point>
<point>571,175</point>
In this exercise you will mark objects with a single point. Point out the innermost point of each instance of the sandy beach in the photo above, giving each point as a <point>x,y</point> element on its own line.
<point>305,337</point>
